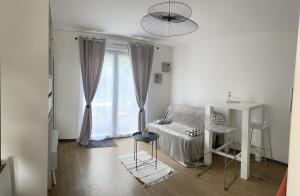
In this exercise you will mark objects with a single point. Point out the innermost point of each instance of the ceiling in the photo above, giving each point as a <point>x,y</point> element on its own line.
<point>216,18</point>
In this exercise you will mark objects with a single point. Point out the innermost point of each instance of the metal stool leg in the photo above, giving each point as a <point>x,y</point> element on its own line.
<point>225,167</point>
<point>206,167</point>
<point>254,162</point>
<point>227,164</point>
<point>264,153</point>
<point>270,145</point>
<point>213,148</point>
<point>234,153</point>
<point>251,136</point>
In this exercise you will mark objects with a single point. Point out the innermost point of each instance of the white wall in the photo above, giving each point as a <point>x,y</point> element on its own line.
<point>256,67</point>
<point>159,94</point>
<point>67,84</point>
<point>24,59</point>
<point>294,159</point>
<point>68,93</point>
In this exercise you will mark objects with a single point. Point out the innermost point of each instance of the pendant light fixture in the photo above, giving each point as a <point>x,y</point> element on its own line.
<point>169,19</point>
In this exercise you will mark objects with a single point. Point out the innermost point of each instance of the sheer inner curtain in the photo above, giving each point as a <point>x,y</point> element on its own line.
<point>114,107</point>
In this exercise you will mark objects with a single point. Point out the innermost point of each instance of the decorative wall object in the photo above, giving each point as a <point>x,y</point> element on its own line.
<point>158,78</point>
<point>165,67</point>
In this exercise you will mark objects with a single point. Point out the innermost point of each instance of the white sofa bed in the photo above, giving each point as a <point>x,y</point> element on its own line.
<point>172,137</point>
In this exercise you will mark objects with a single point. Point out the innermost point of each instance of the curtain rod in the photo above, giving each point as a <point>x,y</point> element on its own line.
<point>133,42</point>
<point>76,38</point>
<point>123,44</point>
<point>115,37</point>
<point>120,38</point>
<point>110,36</point>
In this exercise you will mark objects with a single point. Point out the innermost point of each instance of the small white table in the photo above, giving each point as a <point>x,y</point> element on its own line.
<point>245,108</point>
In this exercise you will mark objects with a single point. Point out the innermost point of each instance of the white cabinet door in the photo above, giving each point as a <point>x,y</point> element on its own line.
<point>294,158</point>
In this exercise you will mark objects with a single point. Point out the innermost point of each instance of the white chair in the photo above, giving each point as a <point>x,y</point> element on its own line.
<point>215,124</point>
<point>263,128</point>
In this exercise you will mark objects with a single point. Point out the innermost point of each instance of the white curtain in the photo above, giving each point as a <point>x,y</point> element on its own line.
<point>114,105</point>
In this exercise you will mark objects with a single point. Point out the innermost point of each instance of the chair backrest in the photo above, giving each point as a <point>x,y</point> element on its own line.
<point>266,123</point>
<point>214,120</point>
<point>218,119</point>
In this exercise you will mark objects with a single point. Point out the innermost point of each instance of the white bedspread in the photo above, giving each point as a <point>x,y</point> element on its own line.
<point>176,143</point>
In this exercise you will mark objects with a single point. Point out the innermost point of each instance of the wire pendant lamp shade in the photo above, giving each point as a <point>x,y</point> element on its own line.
<point>169,19</point>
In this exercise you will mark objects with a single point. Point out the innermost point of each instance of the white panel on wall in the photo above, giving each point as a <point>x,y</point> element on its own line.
<point>294,159</point>
<point>24,88</point>
<point>68,84</point>
<point>159,93</point>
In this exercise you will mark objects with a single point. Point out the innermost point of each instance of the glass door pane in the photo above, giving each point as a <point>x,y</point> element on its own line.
<point>127,115</point>
<point>102,106</point>
<point>114,108</point>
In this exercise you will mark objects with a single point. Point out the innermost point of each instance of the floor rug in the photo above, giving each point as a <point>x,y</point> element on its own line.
<point>146,173</point>
<point>101,143</point>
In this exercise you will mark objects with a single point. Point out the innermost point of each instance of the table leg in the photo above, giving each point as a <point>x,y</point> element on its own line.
<point>136,155</point>
<point>134,150</point>
<point>152,148</point>
<point>245,148</point>
<point>156,153</point>
<point>208,139</point>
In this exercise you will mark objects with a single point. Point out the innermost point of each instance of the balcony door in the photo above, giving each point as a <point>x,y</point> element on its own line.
<point>115,111</point>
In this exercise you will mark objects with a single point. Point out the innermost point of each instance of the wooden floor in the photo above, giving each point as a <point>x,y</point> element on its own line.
<point>95,172</point>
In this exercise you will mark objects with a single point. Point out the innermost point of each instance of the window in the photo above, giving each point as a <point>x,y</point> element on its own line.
<point>115,111</point>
